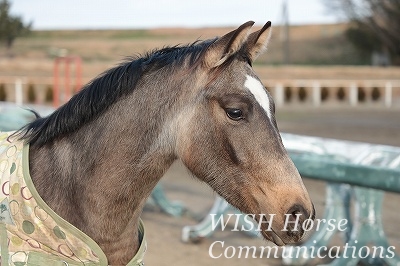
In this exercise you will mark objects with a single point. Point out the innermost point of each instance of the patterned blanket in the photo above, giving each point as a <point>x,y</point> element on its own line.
<point>30,232</point>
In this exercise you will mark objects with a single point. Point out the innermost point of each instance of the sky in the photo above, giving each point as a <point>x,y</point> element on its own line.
<point>136,14</point>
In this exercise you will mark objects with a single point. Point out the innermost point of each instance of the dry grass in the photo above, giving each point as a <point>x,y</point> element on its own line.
<point>101,49</point>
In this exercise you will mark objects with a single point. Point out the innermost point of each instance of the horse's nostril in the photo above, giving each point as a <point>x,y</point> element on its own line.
<point>294,219</point>
<point>294,213</point>
<point>297,210</point>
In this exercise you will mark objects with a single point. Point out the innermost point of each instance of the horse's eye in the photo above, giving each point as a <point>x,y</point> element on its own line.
<point>234,114</point>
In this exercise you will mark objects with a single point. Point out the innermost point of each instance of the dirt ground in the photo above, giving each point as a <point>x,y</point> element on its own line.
<point>375,125</point>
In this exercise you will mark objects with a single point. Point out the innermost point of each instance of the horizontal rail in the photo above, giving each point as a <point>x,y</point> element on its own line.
<point>320,168</point>
<point>315,92</point>
<point>267,82</point>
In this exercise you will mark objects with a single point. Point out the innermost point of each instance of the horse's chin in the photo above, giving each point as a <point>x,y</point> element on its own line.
<point>273,237</point>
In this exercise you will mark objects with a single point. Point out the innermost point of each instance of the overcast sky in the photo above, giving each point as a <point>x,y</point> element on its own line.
<point>108,14</point>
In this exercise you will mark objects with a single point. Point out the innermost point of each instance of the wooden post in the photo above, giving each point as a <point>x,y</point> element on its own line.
<point>388,94</point>
<point>279,95</point>
<point>56,88</point>
<point>316,94</point>
<point>353,94</point>
<point>78,73</point>
<point>67,89</point>
<point>18,92</point>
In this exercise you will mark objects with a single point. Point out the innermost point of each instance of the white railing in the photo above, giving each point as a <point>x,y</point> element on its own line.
<point>322,92</point>
<point>285,92</point>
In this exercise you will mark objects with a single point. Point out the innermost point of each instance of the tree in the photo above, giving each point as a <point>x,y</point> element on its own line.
<point>11,26</point>
<point>375,25</point>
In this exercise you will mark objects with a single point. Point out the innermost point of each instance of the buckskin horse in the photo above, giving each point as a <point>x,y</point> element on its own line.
<point>86,170</point>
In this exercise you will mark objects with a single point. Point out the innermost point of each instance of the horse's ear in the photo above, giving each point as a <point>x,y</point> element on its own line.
<point>227,45</point>
<point>257,41</point>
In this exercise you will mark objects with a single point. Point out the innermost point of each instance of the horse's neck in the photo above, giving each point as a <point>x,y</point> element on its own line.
<point>99,177</point>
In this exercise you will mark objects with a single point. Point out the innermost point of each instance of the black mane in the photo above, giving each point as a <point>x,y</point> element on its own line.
<point>105,90</point>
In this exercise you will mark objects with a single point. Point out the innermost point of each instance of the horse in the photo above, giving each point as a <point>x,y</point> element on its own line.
<point>96,159</point>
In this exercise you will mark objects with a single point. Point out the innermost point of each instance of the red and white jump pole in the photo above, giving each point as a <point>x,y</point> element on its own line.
<point>66,75</point>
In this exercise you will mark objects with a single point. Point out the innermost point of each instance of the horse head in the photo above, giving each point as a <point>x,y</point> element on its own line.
<point>228,137</point>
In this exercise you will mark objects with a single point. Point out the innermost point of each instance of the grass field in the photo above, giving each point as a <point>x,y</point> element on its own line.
<point>316,44</point>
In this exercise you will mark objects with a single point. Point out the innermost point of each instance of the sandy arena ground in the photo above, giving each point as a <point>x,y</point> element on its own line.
<point>375,125</point>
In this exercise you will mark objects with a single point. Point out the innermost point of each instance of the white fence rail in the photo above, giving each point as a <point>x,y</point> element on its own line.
<point>285,92</point>
<point>323,92</point>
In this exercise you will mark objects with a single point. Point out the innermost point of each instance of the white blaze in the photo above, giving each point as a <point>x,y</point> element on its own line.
<point>258,91</point>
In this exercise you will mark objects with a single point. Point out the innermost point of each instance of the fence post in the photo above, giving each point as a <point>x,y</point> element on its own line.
<point>353,94</point>
<point>388,94</point>
<point>316,94</point>
<point>279,95</point>
<point>18,92</point>
<point>78,74</point>
<point>56,86</point>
